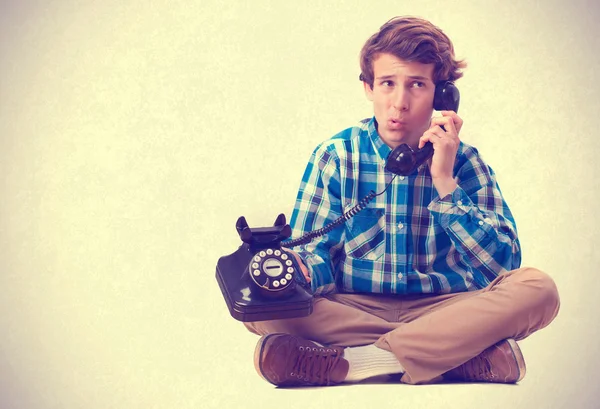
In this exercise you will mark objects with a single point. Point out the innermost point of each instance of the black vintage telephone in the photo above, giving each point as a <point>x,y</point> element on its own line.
<point>261,281</point>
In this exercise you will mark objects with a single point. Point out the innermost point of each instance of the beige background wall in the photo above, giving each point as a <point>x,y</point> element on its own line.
<point>133,134</point>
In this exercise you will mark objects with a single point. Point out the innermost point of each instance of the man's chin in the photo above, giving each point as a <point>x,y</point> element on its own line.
<point>394,139</point>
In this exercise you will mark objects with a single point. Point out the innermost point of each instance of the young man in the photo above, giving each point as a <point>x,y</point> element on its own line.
<point>424,282</point>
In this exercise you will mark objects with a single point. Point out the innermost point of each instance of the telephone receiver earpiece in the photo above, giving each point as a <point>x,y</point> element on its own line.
<point>403,160</point>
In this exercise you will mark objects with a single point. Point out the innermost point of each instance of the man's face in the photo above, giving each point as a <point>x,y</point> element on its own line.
<point>402,97</point>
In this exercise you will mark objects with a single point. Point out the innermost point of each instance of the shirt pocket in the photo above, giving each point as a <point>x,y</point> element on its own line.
<point>365,234</point>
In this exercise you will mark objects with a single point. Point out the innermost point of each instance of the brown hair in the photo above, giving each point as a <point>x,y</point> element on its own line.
<point>412,39</point>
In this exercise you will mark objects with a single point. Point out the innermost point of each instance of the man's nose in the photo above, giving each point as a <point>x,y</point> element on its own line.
<point>401,99</point>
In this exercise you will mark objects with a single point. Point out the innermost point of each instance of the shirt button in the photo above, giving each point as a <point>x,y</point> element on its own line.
<point>459,203</point>
<point>481,222</point>
<point>400,276</point>
<point>401,178</point>
<point>400,226</point>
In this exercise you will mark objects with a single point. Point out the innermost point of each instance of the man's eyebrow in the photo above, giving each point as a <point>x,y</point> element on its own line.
<point>419,77</point>
<point>412,77</point>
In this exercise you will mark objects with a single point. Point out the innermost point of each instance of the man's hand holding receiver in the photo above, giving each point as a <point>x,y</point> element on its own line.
<point>445,145</point>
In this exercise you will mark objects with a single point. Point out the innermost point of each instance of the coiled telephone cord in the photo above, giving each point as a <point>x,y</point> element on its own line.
<point>311,235</point>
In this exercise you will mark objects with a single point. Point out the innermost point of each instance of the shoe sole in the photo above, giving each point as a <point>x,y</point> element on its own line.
<point>260,346</point>
<point>518,355</point>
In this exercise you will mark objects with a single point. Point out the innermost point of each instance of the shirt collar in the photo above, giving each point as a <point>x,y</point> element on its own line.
<point>380,147</point>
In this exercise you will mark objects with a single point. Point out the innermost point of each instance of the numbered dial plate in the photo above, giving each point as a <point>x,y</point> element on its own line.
<point>272,269</point>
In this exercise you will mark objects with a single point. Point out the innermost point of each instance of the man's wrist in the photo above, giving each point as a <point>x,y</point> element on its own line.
<point>444,186</point>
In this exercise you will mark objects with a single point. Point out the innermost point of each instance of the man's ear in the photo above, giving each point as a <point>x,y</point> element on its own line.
<point>368,91</point>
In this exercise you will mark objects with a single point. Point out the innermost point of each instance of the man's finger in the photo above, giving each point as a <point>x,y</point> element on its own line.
<point>303,268</point>
<point>458,122</point>
<point>446,122</point>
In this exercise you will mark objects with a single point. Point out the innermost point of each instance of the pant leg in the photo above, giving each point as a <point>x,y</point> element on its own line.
<point>449,332</point>
<point>334,323</point>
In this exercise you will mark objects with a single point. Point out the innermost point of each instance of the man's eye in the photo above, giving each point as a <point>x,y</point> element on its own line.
<point>418,84</point>
<point>387,83</point>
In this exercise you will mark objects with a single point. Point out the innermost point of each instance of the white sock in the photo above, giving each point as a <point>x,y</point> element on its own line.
<point>368,361</point>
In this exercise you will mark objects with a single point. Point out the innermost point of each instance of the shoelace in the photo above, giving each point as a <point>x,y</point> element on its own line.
<point>482,367</point>
<point>315,364</point>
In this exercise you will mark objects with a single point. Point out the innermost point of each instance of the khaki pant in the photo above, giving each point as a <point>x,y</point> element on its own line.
<point>429,334</point>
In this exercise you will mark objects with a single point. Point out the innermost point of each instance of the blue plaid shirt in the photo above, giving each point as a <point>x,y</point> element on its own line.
<point>408,240</point>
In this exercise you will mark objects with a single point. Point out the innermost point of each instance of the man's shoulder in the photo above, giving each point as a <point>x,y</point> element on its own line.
<point>467,153</point>
<point>467,150</point>
<point>470,168</point>
<point>361,128</point>
<point>347,137</point>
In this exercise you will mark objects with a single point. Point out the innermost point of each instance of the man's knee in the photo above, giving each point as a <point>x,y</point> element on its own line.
<point>267,327</point>
<point>252,327</point>
<point>544,292</point>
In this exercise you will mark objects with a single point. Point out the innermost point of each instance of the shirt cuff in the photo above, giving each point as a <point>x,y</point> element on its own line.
<point>320,276</point>
<point>457,214</point>
<point>451,207</point>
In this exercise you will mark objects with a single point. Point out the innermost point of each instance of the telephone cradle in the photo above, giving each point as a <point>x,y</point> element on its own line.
<point>261,281</point>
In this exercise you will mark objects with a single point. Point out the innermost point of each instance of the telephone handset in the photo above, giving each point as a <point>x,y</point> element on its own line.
<point>261,281</point>
<point>403,160</point>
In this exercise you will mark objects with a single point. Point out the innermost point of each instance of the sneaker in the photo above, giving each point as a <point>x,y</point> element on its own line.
<point>502,363</point>
<point>288,360</point>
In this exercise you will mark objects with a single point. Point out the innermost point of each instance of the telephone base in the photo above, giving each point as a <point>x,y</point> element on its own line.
<point>246,303</point>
